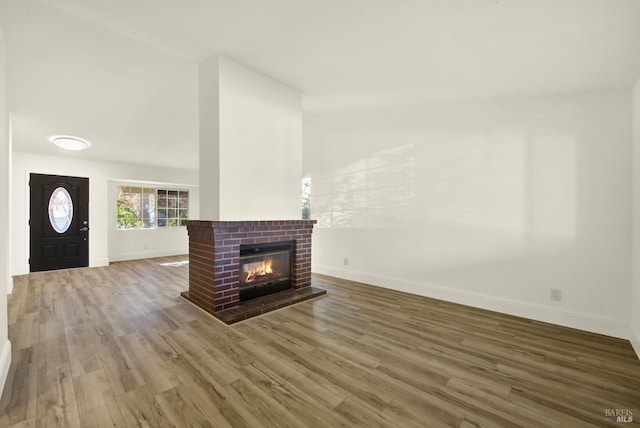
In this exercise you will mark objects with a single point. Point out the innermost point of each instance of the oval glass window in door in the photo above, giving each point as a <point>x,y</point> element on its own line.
<point>60,210</point>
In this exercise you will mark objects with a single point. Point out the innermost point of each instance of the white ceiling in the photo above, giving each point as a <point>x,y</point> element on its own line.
<point>123,73</point>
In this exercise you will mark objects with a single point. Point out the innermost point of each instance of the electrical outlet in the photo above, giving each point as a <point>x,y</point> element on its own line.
<point>556,294</point>
<point>346,261</point>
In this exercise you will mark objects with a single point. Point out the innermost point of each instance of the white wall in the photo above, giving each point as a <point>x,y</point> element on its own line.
<point>105,242</point>
<point>635,284</point>
<point>490,204</point>
<point>5,345</point>
<point>257,157</point>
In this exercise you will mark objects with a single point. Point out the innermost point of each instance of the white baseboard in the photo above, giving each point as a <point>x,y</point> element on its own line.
<point>20,270</point>
<point>574,319</point>
<point>99,262</point>
<point>5,364</point>
<point>9,285</point>
<point>147,254</point>
<point>635,340</point>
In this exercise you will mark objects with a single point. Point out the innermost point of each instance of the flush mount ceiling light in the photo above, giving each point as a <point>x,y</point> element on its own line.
<point>70,143</point>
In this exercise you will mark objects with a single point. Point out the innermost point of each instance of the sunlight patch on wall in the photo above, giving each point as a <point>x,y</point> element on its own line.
<point>505,184</point>
<point>475,180</point>
<point>377,191</point>
<point>553,190</point>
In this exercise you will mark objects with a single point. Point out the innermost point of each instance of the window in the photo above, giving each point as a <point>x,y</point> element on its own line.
<point>306,194</point>
<point>173,207</point>
<point>148,208</point>
<point>60,210</point>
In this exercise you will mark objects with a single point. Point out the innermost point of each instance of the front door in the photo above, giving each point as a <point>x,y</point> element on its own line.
<point>59,222</point>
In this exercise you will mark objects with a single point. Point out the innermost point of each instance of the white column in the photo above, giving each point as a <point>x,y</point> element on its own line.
<point>251,154</point>
<point>209,127</point>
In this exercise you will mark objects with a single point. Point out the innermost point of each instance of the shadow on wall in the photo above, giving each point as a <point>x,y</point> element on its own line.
<point>507,199</point>
<point>479,181</point>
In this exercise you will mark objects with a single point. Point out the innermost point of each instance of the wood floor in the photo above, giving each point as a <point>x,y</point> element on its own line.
<point>116,346</point>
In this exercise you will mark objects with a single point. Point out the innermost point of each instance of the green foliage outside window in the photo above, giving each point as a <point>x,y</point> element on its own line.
<point>306,198</point>
<point>147,208</point>
<point>128,217</point>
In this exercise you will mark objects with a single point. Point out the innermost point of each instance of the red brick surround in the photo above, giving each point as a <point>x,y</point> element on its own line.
<point>214,257</point>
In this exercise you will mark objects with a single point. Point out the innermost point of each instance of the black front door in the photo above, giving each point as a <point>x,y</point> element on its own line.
<point>59,222</point>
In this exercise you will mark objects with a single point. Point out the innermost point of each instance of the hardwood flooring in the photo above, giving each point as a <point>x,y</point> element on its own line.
<point>117,347</point>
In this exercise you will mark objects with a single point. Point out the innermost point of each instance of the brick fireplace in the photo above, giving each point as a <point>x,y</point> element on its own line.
<point>214,265</point>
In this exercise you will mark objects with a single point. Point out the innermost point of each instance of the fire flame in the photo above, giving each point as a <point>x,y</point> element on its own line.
<point>258,269</point>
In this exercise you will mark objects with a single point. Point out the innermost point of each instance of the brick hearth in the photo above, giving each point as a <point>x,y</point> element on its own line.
<point>214,256</point>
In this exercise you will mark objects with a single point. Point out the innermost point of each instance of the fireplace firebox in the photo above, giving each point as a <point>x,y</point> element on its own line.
<point>264,269</point>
